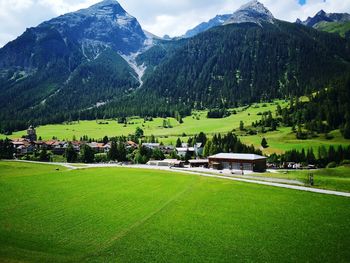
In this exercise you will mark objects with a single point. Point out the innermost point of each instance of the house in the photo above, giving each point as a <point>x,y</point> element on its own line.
<point>167,149</point>
<point>107,147</point>
<point>167,163</point>
<point>181,152</point>
<point>25,149</point>
<point>151,146</point>
<point>59,148</point>
<point>51,144</point>
<point>238,161</point>
<point>131,145</point>
<point>76,145</point>
<point>18,142</point>
<point>23,146</point>
<point>198,149</point>
<point>184,145</point>
<point>199,163</point>
<point>39,145</point>
<point>97,147</point>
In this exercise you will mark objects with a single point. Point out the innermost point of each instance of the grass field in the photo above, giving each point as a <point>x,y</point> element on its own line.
<point>191,125</point>
<point>332,179</point>
<point>283,140</point>
<point>126,215</point>
<point>279,141</point>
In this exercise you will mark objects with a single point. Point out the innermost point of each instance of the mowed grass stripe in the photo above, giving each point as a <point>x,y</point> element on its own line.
<point>127,215</point>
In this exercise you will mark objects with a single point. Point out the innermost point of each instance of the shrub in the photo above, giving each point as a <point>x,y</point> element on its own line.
<point>329,136</point>
<point>345,162</point>
<point>332,165</point>
<point>101,158</point>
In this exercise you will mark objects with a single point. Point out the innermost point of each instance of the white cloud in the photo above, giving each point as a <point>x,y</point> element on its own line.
<point>157,16</point>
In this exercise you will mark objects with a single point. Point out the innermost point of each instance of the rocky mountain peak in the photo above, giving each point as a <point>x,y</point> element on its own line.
<point>105,24</point>
<point>252,12</point>
<point>321,13</point>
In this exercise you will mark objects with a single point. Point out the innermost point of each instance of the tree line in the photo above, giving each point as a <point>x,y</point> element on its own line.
<point>322,158</point>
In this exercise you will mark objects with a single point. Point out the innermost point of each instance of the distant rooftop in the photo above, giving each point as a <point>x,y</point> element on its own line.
<point>238,156</point>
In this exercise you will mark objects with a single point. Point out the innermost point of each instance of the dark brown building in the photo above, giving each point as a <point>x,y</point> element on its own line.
<point>238,161</point>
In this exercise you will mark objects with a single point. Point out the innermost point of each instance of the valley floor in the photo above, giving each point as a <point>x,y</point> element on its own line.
<point>279,141</point>
<point>140,215</point>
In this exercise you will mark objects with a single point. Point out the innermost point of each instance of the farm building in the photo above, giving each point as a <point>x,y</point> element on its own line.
<point>167,163</point>
<point>199,163</point>
<point>238,161</point>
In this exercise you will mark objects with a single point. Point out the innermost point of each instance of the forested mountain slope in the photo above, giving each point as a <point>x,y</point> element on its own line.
<point>239,64</point>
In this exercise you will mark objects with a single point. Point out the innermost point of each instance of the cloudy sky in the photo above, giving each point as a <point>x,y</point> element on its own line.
<point>157,16</point>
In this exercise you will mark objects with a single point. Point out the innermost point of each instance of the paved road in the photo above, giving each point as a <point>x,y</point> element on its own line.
<point>189,171</point>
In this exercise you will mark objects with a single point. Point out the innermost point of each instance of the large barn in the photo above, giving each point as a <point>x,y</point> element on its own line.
<point>238,161</point>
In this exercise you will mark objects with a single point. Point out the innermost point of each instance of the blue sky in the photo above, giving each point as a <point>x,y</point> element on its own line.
<point>173,17</point>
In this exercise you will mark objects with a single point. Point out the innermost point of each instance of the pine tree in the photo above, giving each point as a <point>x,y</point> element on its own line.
<point>121,153</point>
<point>178,143</point>
<point>207,148</point>
<point>113,152</point>
<point>70,154</point>
<point>44,156</point>
<point>346,130</point>
<point>310,157</point>
<point>87,154</point>
<point>139,132</point>
<point>264,143</point>
<point>241,126</point>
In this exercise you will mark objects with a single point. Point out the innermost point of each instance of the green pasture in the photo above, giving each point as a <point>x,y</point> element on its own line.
<point>337,179</point>
<point>192,125</point>
<point>129,215</point>
<point>284,139</point>
<point>279,141</point>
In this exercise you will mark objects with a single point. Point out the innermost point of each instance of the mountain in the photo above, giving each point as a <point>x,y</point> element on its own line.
<point>73,62</point>
<point>238,64</point>
<point>252,12</point>
<point>322,17</point>
<point>216,21</point>
<point>99,63</point>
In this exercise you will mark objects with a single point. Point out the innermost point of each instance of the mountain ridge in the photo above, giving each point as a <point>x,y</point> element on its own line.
<point>72,68</point>
<point>322,16</point>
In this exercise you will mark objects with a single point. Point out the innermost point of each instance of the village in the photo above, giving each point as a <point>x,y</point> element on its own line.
<point>152,154</point>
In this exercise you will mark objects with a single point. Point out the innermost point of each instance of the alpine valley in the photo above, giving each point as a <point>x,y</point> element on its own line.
<point>99,63</point>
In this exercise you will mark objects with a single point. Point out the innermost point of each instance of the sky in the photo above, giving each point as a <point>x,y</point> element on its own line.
<point>160,17</point>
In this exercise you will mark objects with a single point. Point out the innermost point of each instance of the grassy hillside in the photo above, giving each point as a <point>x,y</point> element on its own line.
<point>125,215</point>
<point>279,141</point>
<point>192,125</point>
<point>284,139</point>
<point>339,28</point>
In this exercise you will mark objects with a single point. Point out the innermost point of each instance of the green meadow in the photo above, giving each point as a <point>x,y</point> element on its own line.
<point>192,125</point>
<point>129,215</point>
<point>279,141</point>
<point>284,139</point>
<point>337,179</point>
